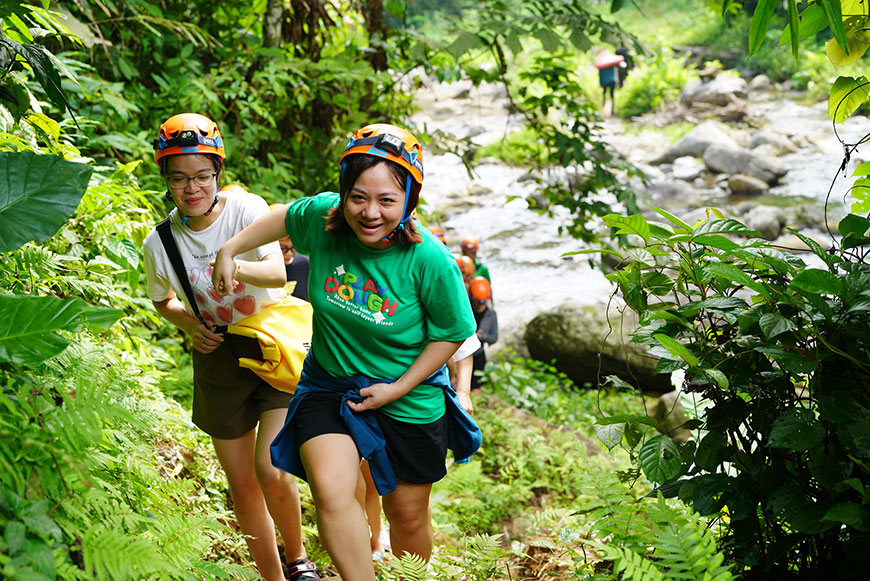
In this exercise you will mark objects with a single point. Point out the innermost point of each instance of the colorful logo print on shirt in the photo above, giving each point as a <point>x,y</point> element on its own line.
<point>360,295</point>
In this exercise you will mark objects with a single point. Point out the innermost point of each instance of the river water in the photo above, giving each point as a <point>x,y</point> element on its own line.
<point>524,249</point>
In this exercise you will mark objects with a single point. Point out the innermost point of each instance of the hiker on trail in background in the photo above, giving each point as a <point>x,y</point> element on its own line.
<point>480,294</point>
<point>388,303</point>
<point>241,412</point>
<point>608,64</point>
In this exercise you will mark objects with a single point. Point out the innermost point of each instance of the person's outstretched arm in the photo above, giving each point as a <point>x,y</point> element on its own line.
<point>267,228</point>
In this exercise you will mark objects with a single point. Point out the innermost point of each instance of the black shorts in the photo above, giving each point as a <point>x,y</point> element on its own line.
<point>417,452</point>
<point>228,399</point>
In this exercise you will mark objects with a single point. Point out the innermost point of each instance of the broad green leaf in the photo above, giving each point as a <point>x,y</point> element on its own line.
<point>724,226</point>
<point>834,16</point>
<point>773,324</point>
<point>793,28</point>
<point>660,459</point>
<point>676,348</point>
<point>855,230</point>
<point>734,274</point>
<point>629,225</point>
<point>716,241</point>
<point>862,170</point>
<point>707,493</point>
<point>686,229</point>
<point>796,429</point>
<point>847,95</point>
<point>816,281</point>
<point>610,435</point>
<point>123,253</point>
<point>29,326</point>
<point>465,42</point>
<point>38,195</point>
<point>549,39</point>
<point>717,376</point>
<point>857,39</point>
<point>709,451</point>
<point>812,21</point>
<point>849,513</point>
<point>760,23</point>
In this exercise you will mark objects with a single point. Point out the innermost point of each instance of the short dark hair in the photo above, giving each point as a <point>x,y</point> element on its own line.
<point>355,165</point>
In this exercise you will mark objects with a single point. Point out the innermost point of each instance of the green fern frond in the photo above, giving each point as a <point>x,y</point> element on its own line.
<point>409,567</point>
<point>634,567</point>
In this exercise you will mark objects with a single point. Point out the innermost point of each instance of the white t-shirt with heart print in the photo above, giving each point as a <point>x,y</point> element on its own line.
<point>197,249</point>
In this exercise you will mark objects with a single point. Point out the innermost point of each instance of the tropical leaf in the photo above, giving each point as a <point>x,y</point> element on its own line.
<point>847,95</point>
<point>39,194</point>
<point>660,459</point>
<point>796,429</point>
<point>760,23</point>
<point>636,224</point>
<point>834,16</point>
<point>29,326</point>
<point>676,348</point>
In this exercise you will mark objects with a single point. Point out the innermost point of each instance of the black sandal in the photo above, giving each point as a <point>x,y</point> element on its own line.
<point>302,570</point>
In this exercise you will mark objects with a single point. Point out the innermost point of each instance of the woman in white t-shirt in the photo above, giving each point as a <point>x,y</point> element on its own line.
<point>229,402</point>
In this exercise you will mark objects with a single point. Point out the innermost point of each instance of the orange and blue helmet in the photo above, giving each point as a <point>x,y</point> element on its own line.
<point>438,233</point>
<point>466,267</point>
<point>470,243</point>
<point>480,289</point>
<point>188,133</point>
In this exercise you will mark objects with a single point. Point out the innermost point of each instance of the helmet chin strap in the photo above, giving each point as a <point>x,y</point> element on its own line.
<point>184,219</point>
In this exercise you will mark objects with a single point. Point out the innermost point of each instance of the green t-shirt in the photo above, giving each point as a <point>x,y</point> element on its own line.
<point>482,270</point>
<point>375,310</point>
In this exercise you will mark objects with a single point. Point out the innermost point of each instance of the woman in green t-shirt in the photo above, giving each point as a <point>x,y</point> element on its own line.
<point>389,309</point>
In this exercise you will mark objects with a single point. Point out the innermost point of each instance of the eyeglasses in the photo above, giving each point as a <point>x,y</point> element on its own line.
<point>180,182</point>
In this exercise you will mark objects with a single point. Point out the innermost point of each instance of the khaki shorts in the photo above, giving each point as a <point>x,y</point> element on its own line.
<point>228,399</point>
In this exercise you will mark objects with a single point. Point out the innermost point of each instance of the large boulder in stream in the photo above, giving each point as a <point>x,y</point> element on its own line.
<point>695,142</point>
<point>723,90</point>
<point>574,336</point>
<point>736,160</point>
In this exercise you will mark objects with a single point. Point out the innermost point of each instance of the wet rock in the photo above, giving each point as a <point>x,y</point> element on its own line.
<point>760,83</point>
<point>768,220</point>
<point>810,216</point>
<point>479,190</point>
<point>695,142</point>
<point>675,194</point>
<point>723,90</point>
<point>735,160</point>
<point>574,336</point>
<point>778,143</point>
<point>687,168</point>
<point>742,185</point>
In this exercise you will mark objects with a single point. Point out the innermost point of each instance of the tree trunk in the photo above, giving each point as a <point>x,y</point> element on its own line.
<point>376,26</point>
<point>272,21</point>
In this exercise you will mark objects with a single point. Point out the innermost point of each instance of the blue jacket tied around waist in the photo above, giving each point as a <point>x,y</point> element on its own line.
<point>464,436</point>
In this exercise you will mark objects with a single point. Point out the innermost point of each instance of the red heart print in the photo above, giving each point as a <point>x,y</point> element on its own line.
<point>225,314</point>
<point>245,305</point>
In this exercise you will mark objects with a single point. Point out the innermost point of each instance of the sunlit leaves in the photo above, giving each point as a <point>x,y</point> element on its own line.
<point>760,23</point>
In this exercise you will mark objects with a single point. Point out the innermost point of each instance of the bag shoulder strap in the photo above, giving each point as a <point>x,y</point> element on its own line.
<point>169,244</point>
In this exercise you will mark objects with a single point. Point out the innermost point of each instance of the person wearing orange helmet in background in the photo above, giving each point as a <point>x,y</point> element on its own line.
<point>438,233</point>
<point>466,268</point>
<point>388,303</point>
<point>295,264</point>
<point>470,246</point>
<point>487,324</point>
<point>240,412</point>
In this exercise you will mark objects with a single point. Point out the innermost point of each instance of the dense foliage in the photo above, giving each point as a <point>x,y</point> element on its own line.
<point>103,477</point>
